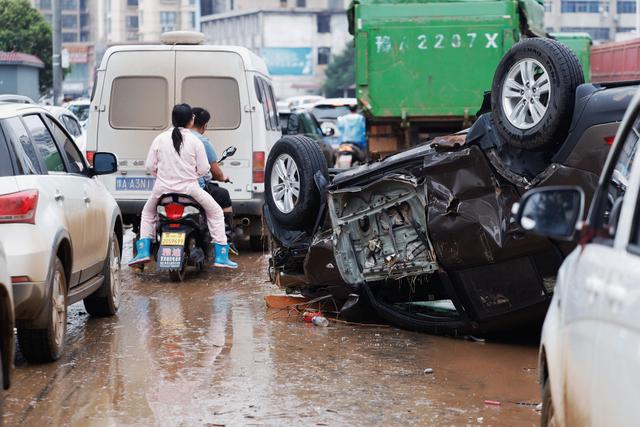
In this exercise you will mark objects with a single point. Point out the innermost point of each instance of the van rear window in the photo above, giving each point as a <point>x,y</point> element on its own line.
<point>218,95</point>
<point>139,103</point>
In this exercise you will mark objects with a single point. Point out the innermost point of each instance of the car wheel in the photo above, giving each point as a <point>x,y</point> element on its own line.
<point>106,300</point>
<point>533,93</point>
<point>548,418</point>
<point>291,192</point>
<point>45,345</point>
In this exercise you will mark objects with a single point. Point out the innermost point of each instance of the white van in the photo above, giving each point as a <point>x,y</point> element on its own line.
<point>137,86</point>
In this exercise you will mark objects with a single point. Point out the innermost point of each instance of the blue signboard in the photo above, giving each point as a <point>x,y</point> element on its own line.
<point>288,61</point>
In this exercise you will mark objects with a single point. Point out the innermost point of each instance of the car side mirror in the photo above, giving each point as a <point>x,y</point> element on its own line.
<point>104,163</point>
<point>552,212</point>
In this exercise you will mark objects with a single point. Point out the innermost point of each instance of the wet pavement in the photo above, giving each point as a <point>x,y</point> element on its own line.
<point>207,352</point>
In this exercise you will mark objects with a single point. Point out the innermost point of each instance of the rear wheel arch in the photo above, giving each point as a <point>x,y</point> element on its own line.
<point>65,253</point>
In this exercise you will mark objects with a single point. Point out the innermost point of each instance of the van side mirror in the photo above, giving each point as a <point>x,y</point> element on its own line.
<point>552,212</point>
<point>104,163</point>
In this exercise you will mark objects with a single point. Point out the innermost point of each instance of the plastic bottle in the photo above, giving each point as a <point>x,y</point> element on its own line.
<point>320,321</point>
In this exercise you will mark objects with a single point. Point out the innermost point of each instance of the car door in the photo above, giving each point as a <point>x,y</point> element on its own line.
<point>616,370</point>
<point>69,189</point>
<point>96,232</point>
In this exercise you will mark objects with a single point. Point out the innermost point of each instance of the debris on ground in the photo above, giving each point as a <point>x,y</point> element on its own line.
<point>492,402</point>
<point>428,371</point>
<point>539,407</point>
<point>320,321</point>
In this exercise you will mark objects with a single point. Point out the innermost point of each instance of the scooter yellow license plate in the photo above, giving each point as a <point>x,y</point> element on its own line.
<point>173,239</point>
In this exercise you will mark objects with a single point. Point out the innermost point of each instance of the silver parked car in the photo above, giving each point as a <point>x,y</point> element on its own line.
<point>61,228</point>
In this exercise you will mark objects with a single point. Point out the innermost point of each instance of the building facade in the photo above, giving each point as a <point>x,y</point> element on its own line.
<point>604,20</point>
<point>297,57</point>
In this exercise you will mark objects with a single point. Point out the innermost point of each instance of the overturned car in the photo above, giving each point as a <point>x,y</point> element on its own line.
<point>425,237</point>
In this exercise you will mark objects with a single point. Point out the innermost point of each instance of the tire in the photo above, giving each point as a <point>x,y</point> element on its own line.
<point>529,114</point>
<point>46,345</point>
<point>302,158</point>
<point>547,418</point>
<point>106,300</point>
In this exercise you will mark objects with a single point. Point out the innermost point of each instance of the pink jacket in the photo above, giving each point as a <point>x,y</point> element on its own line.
<point>175,171</point>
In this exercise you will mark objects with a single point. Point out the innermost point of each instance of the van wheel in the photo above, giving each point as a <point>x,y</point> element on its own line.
<point>45,345</point>
<point>533,93</point>
<point>291,192</point>
<point>106,300</point>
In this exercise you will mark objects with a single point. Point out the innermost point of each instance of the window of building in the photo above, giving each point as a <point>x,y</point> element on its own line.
<point>139,103</point>
<point>168,21</point>
<point>626,7</point>
<point>194,24</point>
<point>580,6</point>
<point>207,92</point>
<point>132,2</point>
<point>132,22</point>
<point>69,21</point>
<point>596,33</point>
<point>324,55</point>
<point>548,5</point>
<point>69,37</point>
<point>44,4</point>
<point>324,22</point>
<point>44,143</point>
<point>69,4</point>
<point>301,3</point>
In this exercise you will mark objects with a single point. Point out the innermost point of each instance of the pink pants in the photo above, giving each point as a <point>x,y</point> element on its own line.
<point>215,216</point>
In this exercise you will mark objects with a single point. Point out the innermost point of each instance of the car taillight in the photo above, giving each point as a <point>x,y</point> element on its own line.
<point>19,207</point>
<point>20,279</point>
<point>90,155</point>
<point>174,211</point>
<point>609,140</point>
<point>258,167</point>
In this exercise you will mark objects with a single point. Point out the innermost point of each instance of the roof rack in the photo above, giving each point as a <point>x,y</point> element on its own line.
<point>19,99</point>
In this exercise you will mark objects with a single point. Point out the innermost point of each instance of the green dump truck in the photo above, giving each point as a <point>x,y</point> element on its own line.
<point>423,66</point>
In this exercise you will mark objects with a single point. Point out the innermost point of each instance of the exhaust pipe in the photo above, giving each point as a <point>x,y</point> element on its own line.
<point>245,222</point>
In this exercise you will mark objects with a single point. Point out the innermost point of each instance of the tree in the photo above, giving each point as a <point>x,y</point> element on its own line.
<point>24,29</point>
<point>340,73</point>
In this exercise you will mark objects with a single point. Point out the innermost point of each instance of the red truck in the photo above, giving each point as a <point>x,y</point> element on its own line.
<point>616,61</point>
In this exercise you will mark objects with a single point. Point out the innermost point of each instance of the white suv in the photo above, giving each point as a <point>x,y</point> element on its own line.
<point>590,348</point>
<point>61,229</point>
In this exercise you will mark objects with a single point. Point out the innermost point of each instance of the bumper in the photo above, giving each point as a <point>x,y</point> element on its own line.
<point>251,207</point>
<point>29,300</point>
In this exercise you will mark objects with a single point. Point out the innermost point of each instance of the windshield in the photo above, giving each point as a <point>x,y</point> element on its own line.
<point>80,110</point>
<point>324,112</point>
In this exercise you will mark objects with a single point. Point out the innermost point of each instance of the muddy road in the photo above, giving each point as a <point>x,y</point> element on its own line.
<point>207,352</point>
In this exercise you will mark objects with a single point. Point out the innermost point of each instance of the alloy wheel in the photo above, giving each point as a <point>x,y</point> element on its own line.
<point>526,93</point>
<point>285,183</point>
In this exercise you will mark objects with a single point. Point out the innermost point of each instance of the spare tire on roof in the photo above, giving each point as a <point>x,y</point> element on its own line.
<point>290,189</point>
<point>533,93</point>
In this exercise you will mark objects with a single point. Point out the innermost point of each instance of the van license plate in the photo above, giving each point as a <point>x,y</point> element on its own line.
<point>134,184</point>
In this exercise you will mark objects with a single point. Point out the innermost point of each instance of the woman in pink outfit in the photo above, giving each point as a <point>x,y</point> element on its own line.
<point>177,159</point>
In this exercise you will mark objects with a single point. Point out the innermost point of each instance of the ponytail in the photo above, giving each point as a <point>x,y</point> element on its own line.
<point>181,116</point>
<point>176,136</point>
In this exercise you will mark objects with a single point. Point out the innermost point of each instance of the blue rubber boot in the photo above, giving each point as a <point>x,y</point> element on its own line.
<point>143,256</point>
<point>222,257</point>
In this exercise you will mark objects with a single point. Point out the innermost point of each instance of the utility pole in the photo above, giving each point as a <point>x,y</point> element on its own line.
<point>57,48</point>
